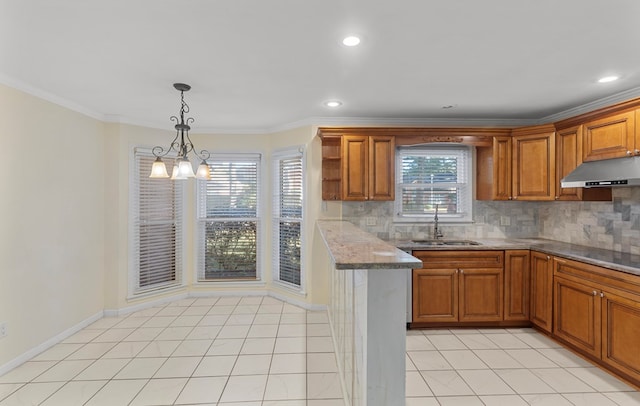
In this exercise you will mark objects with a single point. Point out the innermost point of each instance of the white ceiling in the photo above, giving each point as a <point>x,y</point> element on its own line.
<point>263,65</point>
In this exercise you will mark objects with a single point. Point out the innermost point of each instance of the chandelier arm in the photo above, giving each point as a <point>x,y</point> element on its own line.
<point>160,152</point>
<point>203,155</point>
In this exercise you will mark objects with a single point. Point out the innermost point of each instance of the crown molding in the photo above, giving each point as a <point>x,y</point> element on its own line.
<point>593,105</point>
<point>331,121</point>
<point>50,97</point>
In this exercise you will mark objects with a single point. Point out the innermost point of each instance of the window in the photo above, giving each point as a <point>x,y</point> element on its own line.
<point>287,217</point>
<point>433,175</point>
<point>228,221</point>
<point>156,210</point>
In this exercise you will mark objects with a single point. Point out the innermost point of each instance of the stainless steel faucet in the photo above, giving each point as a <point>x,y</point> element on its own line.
<point>436,232</point>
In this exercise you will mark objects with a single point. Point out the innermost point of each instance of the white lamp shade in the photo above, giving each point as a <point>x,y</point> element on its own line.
<point>185,170</point>
<point>203,171</point>
<point>158,169</point>
<point>174,173</point>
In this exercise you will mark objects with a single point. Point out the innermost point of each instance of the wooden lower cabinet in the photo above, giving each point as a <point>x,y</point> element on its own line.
<point>597,312</point>
<point>577,315</point>
<point>621,333</point>
<point>480,294</point>
<point>458,287</point>
<point>435,295</point>
<point>541,290</point>
<point>517,276</point>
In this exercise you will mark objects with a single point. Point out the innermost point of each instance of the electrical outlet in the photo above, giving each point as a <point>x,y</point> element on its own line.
<point>505,221</point>
<point>3,329</point>
<point>372,221</point>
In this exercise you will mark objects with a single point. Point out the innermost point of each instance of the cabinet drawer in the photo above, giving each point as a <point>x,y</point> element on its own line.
<point>622,283</point>
<point>460,259</point>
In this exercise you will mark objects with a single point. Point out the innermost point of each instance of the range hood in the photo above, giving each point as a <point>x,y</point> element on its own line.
<point>606,173</point>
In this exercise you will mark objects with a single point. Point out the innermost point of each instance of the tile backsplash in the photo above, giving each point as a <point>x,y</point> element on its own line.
<point>611,225</point>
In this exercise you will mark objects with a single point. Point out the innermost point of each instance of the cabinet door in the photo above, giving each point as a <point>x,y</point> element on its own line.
<point>568,157</point>
<point>541,290</point>
<point>382,167</point>
<point>609,137</point>
<point>621,333</point>
<point>355,167</point>
<point>435,295</point>
<point>502,168</point>
<point>481,297</point>
<point>534,166</point>
<point>516,284</point>
<point>577,315</point>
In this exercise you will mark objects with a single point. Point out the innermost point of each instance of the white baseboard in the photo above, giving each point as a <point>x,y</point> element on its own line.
<point>141,306</point>
<point>49,343</point>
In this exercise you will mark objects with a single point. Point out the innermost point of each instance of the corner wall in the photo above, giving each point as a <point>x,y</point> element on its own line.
<point>51,211</point>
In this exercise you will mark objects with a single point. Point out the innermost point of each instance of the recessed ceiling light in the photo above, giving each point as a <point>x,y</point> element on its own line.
<point>448,106</point>
<point>333,103</point>
<point>351,41</point>
<point>607,79</point>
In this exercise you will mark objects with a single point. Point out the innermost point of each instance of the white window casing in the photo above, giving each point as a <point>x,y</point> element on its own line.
<point>287,218</point>
<point>430,175</point>
<point>156,228</point>
<point>228,219</point>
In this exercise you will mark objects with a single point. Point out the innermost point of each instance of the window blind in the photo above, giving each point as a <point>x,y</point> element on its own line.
<point>228,221</point>
<point>287,217</point>
<point>157,227</point>
<point>430,175</point>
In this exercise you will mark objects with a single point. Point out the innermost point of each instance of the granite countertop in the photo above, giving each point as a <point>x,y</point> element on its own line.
<point>614,260</point>
<point>352,248</point>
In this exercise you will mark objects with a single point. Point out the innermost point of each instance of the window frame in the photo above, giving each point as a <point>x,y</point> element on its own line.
<point>200,221</point>
<point>277,157</point>
<point>466,172</point>
<point>134,289</point>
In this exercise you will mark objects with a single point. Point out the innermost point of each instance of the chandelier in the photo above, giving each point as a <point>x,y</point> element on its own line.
<point>182,146</point>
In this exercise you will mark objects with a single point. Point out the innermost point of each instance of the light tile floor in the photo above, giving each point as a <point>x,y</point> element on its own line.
<point>509,367</point>
<point>255,351</point>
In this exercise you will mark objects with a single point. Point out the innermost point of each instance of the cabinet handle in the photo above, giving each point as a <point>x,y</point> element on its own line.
<point>548,257</point>
<point>462,271</point>
<point>557,198</point>
<point>510,198</point>
<point>637,151</point>
<point>595,293</point>
<point>629,153</point>
<point>601,294</point>
<point>515,197</point>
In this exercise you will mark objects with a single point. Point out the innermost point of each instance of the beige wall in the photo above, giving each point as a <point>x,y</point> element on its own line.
<point>64,246</point>
<point>52,220</point>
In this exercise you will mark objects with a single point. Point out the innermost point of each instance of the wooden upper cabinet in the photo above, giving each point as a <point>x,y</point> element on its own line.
<point>357,166</point>
<point>568,157</point>
<point>368,171</point>
<point>493,170</point>
<point>518,167</point>
<point>613,136</point>
<point>534,163</point>
<point>331,168</point>
<point>382,179</point>
<point>502,156</point>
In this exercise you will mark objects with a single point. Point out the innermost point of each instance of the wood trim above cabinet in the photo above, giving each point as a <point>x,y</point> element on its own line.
<point>422,135</point>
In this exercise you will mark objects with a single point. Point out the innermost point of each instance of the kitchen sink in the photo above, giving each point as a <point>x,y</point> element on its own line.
<point>446,242</point>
